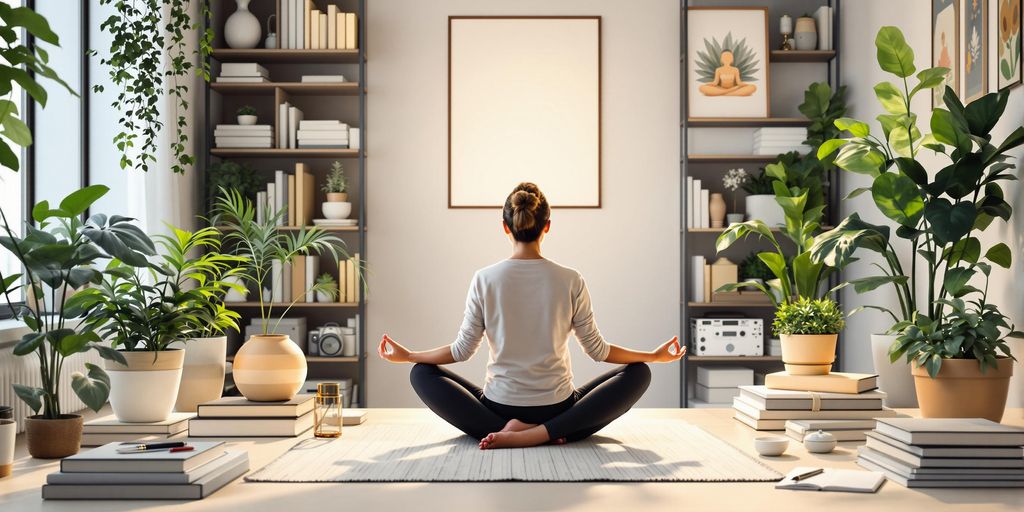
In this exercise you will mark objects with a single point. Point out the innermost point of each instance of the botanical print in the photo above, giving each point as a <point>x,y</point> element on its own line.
<point>727,68</point>
<point>1008,44</point>
<point>945,42</point>
<point>975,46</point>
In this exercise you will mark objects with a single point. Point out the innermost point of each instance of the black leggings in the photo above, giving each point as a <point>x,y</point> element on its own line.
<point>589,409</point>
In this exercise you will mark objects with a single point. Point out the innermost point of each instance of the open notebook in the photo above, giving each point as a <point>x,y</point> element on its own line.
<point>844,480</point>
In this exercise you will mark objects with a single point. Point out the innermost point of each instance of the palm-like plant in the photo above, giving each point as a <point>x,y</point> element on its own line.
<point>710,58</point>
<point>261,244</point>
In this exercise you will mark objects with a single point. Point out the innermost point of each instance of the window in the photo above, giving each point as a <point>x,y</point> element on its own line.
<point>13,195</point>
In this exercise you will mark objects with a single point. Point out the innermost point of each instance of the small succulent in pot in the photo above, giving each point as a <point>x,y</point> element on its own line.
<point>328,288</point>
<point>246,115</point>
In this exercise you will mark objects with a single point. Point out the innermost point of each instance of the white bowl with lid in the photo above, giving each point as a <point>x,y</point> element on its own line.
<point>820,442</point>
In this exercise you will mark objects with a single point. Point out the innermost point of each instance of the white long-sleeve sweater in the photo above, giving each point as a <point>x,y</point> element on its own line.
<point>527,309</point>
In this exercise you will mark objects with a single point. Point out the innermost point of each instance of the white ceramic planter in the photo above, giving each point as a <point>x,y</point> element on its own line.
<point>233,295</point>
<point>247,120</point>
<point>763,207</point>
<point>337,210</point>
<point>202,374</point>
<point>8,429</point>
<point>323,297</point>
<point>893,378</point>
<point>146,389</point>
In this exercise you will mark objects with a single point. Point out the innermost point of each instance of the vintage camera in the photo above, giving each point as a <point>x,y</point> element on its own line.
<point>325,341</point>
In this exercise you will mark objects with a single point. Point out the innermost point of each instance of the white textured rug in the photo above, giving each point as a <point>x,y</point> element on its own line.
<point>628,450</point>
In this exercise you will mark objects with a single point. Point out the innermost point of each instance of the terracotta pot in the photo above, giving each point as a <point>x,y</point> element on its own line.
<point>961,390</point>
<point>145,390</point>
<point>808,354</point>
<point>716,210</point>
<point>337,197</point>
<point>202,374</point>
<point>53,439</point>
<point>269,368</point>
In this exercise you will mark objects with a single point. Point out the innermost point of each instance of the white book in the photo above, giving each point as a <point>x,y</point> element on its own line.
<point>276,295</point>
<point>271,200</point>
<point>351,31</point>
<point>310,145</point>
<point>280,181</point>
<point>320,122</point>
<point>757,424</point>
<point>934,483</point>
<point>804,426</point>
<point>831,479</point>
<point>232,466</point>
<point>340,31</point>
<point>286,26</point>
<point>261,201</point>
<point>353,138</point>
<point>689,207</point>
<point>323,31</point>
<point>102,439</point>
<point>241,79</point>
<point>989,452</point>
<point>243,69</point>
<point>695,202</point>
<point>324,139</point>
<point>312,272</point>
<point>107,459</point>
<point>176,478</point>
<point>109,424</point>
<point>721,396</point>
<point>294,116</point>
<point>751,409</point>
<point>705,208</point>
<point>951,432</point>
<point>323,78</point>
<point>282,125</point>
<point>332,27</point>
<point>781,399</point>
<point>244,127</point>
<point>725,376</point>
<point>342,283</point>
<point>922,463</point>
<point>242,143</point>
<point>298,27</point>
<point>697,283</point>
<point>250,427</point>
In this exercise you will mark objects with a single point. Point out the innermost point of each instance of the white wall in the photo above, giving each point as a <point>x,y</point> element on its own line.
<point>860,71</point>
<point>422,254</point>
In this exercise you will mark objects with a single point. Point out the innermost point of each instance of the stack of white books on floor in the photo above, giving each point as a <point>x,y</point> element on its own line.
<point>323,79</point>
<point>243,136</point>
<point>107,429</point>
<point>242,72</point>
<point>769,408</point>
<point>323,134</point>
<point>718,385</point>
<point>234,416</point>
<point>773,141</point>
<point>946,452</point>
<point>106,474</point>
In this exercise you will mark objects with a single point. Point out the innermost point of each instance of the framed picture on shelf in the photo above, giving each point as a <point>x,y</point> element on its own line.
<point>946,45</point>
<point>1008,44</point>
<point>975,49</point>
<point>727,62</point>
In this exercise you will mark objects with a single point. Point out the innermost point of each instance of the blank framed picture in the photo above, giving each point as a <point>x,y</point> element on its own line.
<point>524,104</point>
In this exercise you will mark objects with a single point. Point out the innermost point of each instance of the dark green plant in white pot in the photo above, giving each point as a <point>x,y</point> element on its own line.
<point>953,337</point>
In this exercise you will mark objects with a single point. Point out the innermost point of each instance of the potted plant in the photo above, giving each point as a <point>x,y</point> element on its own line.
<point>760,201</point>
<point>732,181</point>
<point>938,216</point>
<point>246,115</point>
<point>230,175</point>
<point>336,187</point>
<point>262,245</point>
<point>329,288</point>
<point>58,250</point>
<point>809,329</point>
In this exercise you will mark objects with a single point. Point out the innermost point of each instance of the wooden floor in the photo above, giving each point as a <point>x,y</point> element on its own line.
<point>20,492</point>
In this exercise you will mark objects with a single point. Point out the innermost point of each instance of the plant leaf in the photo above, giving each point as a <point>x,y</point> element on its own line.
<point>1000,255</point>
<point>894,54</point>
<point>93,388</point>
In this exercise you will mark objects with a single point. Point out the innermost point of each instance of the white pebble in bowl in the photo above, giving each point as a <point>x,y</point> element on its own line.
<point>771,446</point>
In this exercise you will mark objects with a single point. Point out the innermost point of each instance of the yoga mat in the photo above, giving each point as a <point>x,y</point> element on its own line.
<point>628,450</point>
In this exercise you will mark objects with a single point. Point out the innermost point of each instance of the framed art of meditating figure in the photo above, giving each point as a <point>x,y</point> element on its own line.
<point>524,104</point>
<point>727,62</point>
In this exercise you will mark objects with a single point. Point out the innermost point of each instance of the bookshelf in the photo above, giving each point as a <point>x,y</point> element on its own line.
<point>798,69</point>
<point>345,101</point>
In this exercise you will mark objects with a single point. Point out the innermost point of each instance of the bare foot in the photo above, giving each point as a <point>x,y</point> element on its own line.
<point>515,425</point>
<point>535,436</point>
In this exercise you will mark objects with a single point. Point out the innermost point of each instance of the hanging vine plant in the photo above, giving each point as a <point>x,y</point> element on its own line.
<point>147,56</point>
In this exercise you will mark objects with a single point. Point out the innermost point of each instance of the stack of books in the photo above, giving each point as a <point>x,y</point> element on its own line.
<point>820,397</point>
<point>717,386</point>
<point>772,141</point>
<point>107,429</point>
<point>242,72</point>
<point>289,118</point>
<point>106,474</point>
<point>305,26</point>
<point>823,21</point>
<point>234,416</point>
<point>946,452</point>
<point>698,215</point>
<point>243,136</point>
<point>323,134</point>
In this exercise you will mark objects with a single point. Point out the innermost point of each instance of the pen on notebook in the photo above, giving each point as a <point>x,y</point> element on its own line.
<point>813,472</point>
<point>144,447</point>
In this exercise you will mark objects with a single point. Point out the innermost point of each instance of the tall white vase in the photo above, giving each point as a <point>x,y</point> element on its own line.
<point>242,30</point>
<point>202,375</point>
<point>893,378</point>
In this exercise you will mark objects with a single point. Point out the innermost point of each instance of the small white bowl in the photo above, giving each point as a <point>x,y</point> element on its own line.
<point>247,120</point>
<point>771,446</point>
<point>337,210</point>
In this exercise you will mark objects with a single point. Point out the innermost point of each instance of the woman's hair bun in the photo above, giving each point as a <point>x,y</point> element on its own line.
<point>523,199</point>
<point>526,212</point>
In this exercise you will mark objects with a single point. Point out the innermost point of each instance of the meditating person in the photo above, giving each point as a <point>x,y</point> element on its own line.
<point>727,81</point>
<point>528,306</point>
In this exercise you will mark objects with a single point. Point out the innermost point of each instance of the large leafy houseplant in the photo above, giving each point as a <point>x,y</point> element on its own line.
<point>938,216</point>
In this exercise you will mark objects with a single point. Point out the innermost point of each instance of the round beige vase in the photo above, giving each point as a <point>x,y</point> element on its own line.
<point>961,390</point>
<point>808,354</point>
<point>202,375</point>
<point>146,389</point>
<point>269,368</point>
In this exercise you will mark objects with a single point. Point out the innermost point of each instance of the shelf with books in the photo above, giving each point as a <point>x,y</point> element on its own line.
<point>293,306</point>
<point>289,56</point>
<point>801,55</point>
<point>294,88</point>
<point>286,152</point>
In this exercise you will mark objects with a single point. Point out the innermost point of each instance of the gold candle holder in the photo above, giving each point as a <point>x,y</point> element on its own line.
<point>327,410</point>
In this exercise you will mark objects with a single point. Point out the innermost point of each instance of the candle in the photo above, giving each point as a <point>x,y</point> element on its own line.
<point>786,24</point>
